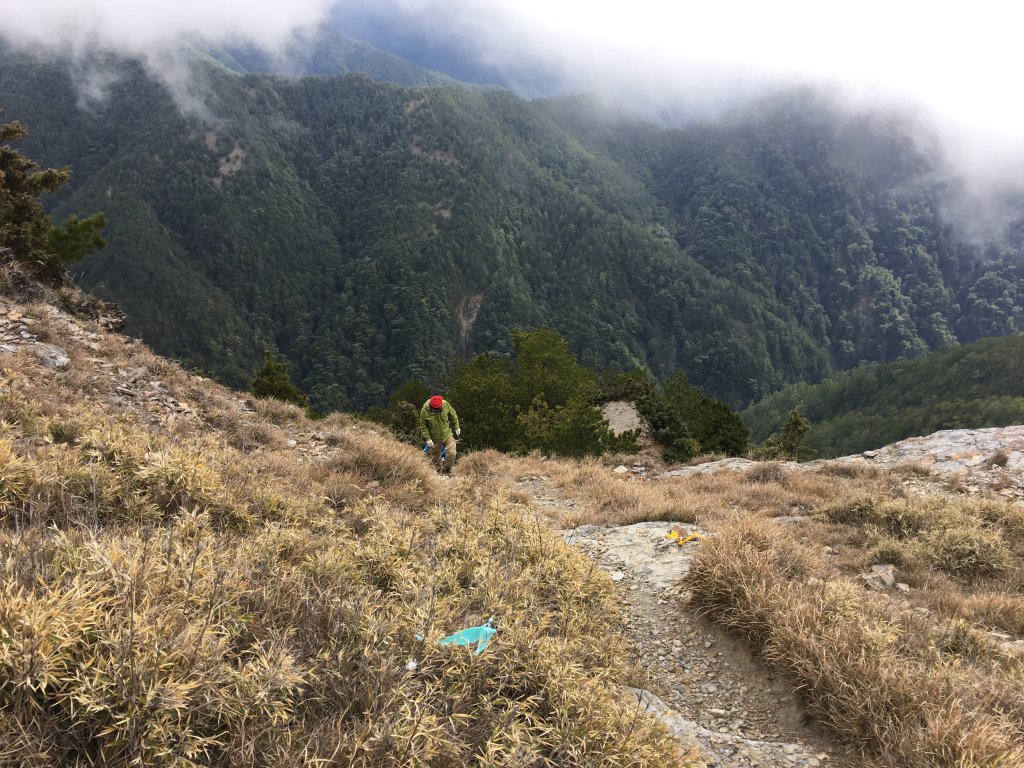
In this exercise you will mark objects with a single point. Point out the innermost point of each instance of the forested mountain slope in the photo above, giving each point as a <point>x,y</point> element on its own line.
<point>976,385</point>
<point>324,51</point>
<point>373,233</point>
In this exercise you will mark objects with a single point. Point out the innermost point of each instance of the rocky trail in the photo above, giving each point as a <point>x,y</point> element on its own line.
<point>703,684</point>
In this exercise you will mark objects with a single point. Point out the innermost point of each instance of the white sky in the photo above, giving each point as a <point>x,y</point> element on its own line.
<point>962,61</point>
<point>137,26</point>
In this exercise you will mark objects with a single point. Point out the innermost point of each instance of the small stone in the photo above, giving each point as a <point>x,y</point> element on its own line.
<point>790,519</point>
<point>880,576</point>
<point>621,469</point>
<point>292,443</point>
<point>51,356</point>
<point>618,576</point>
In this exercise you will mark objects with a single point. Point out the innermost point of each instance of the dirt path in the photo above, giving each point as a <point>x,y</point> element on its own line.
<point>703,683</point>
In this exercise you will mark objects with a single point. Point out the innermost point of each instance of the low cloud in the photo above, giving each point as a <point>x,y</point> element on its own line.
<point>957,65</point>
<point>137,27</point>
<point>152,32</point>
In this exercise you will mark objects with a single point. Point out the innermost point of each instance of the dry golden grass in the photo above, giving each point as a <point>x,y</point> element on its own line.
<point>905,689</point>
<point>621,499</point>
<point>189,590</point>
<point>910,679</point>
<point>289,645</point>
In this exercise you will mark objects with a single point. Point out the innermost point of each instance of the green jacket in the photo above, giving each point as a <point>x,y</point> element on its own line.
<point>438,425</point>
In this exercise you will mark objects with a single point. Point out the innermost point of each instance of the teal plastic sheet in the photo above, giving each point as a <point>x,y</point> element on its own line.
<point>480,635</point>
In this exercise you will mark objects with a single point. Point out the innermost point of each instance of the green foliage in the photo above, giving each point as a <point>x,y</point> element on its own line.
<point>25,227</point>
<point>402,414</point>
<point>23,221</point>
<point>971,386</point>
<point>788,444</point>
<point>545,366</point>
<point>540,399</point>
<point>687,423</point>
<point>76,239</point>
<point>414,392</point>
<point>272,380</point>
<point>482,393</point>
<point>670,429</point>
<point>376,233</point>
<point>631,386</point>
<point>573,429</point>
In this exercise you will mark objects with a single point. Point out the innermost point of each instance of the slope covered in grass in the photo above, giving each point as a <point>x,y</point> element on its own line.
<point>191,579</point>
<point>927,675</point>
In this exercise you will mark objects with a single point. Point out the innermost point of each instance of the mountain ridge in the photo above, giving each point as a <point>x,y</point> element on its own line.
<point>324,51</point>
<point>970,386</point>
<point>344,223</point>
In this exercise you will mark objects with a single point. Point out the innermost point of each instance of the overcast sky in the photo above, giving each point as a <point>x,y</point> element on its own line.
<point>960,61</point>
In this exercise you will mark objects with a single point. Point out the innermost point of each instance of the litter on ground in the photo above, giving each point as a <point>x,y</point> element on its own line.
<point>682,536</point>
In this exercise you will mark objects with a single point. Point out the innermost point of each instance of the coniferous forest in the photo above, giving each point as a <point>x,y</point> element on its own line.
<point>961,387</point>
<point>371,233</point>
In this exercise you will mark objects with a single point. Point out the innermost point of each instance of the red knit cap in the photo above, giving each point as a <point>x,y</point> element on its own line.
<point>435,402</point>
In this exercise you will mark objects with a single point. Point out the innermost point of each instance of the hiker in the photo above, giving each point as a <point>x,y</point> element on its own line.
<point>437,420</point>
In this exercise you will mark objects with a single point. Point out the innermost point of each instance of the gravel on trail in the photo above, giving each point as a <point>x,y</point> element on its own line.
<point>704,684</point>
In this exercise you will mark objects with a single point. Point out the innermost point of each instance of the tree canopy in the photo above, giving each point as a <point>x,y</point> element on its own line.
<point>25,226</point>
<point>539,397</point>
<point>374,233</point>
<point>969,386</point>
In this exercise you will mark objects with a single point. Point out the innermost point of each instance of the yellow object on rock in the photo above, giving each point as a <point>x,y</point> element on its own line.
<point>682,536</point>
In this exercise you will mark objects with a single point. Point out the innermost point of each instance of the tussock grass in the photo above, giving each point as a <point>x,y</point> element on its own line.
<point>767,472</point>
<point>850,470</point>
<point>997,459</point>
<point>197,591</point>
<point>897,686</point>
<point>768,490</point>
<point>614,499</point>
<point>290,645</point>
<point>909,679</point>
